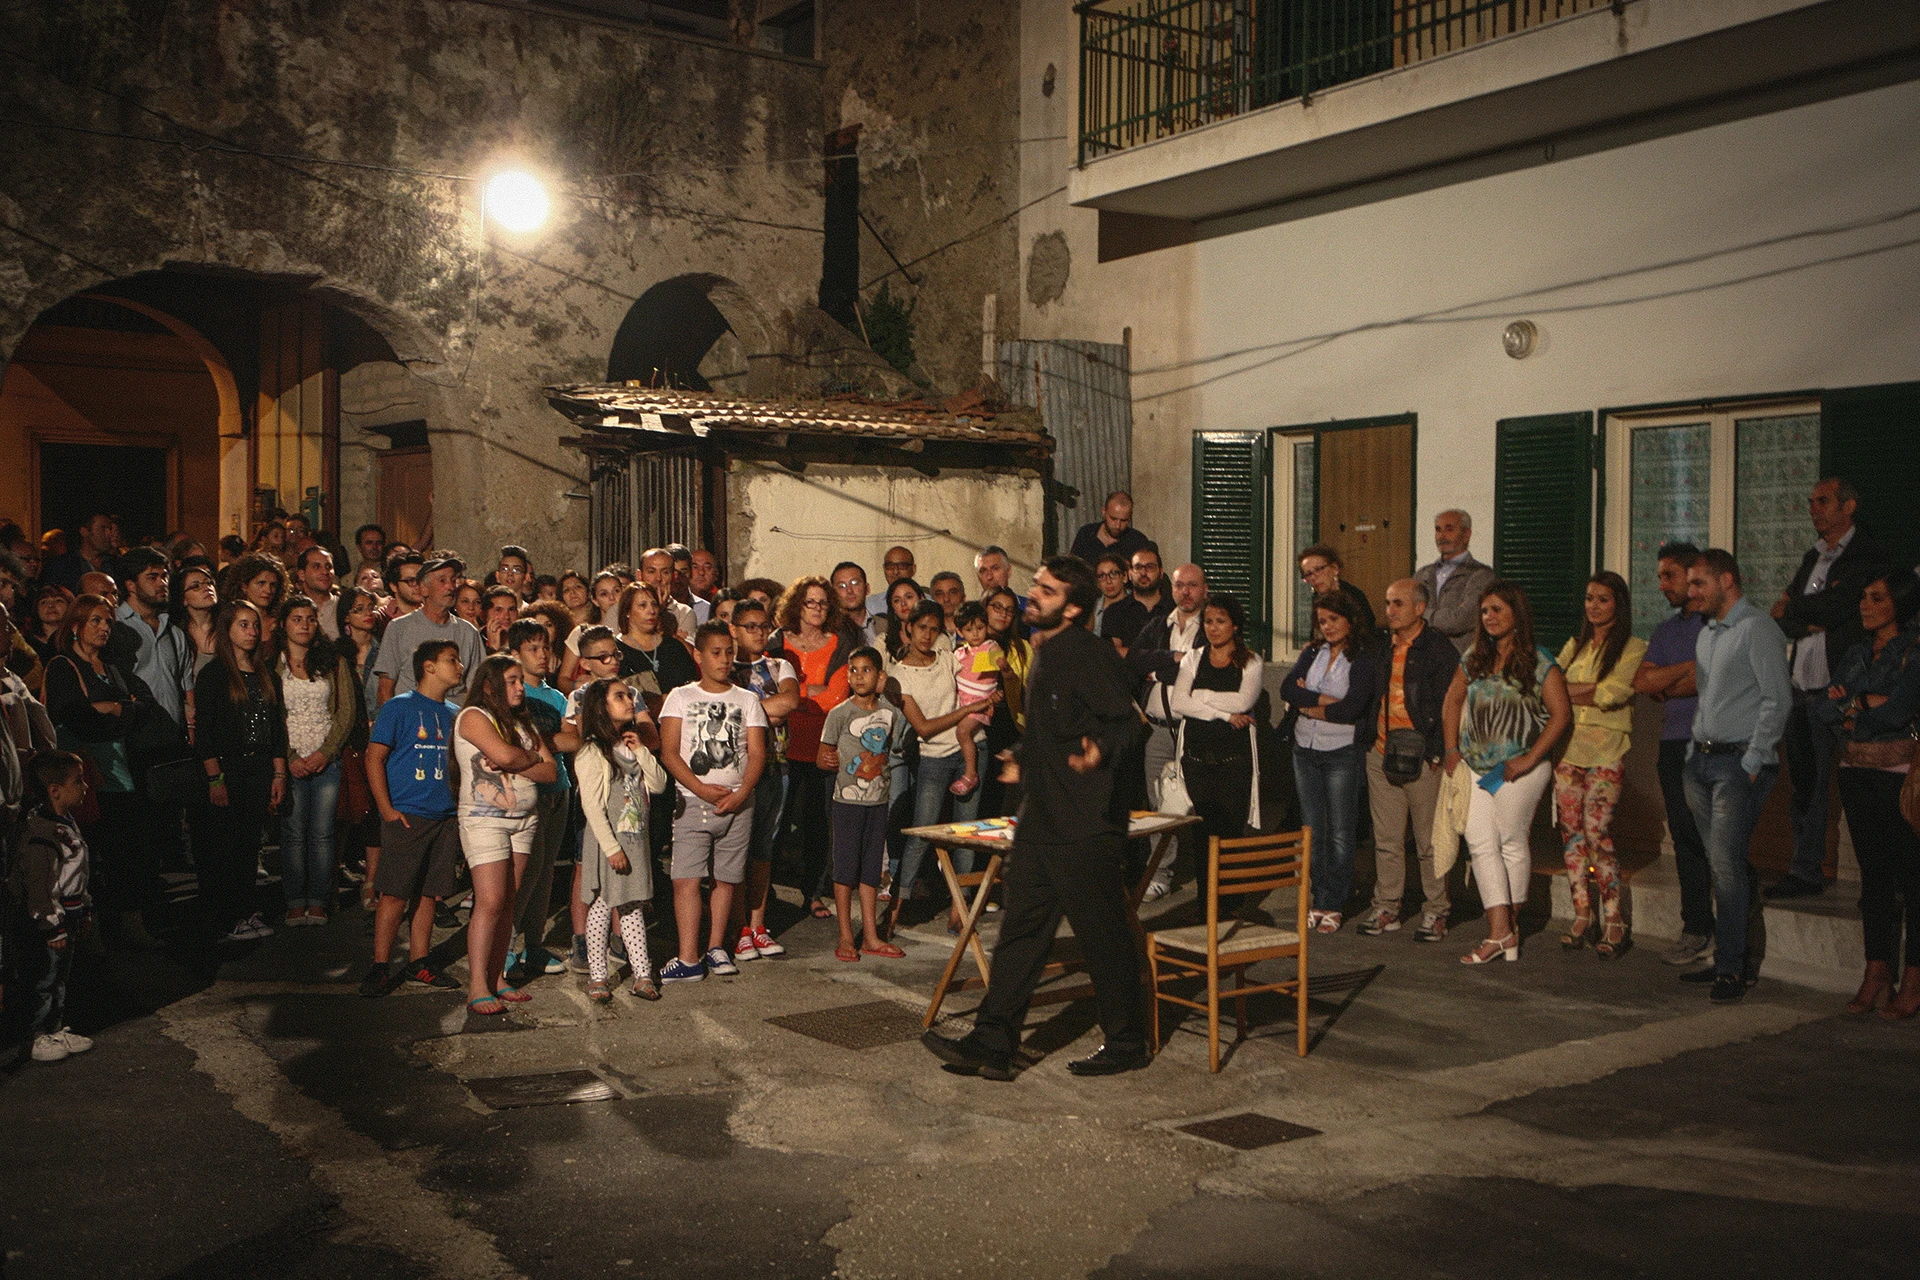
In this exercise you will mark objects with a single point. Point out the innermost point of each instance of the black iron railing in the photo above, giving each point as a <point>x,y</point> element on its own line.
<point>1149,68</point>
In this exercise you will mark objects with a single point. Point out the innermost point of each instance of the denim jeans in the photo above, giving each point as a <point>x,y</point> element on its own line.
<point>930,794</point>
<point>1329,786</point>
<point>48,972</point>
<point>1726,808</point>
<point>306,838</point>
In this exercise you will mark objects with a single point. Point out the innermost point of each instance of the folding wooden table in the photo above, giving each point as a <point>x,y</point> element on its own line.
<point>1161,828</point>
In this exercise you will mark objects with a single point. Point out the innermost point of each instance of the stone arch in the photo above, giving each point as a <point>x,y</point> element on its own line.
<point>700,332</point>
<point>260,426</point>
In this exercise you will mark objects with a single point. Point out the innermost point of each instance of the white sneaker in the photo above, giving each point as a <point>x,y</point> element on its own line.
<point>242,931</point>
<point>1158,889</point>
<point>50,1048</point>
<point>259,925</point>
<point>75,1042</point>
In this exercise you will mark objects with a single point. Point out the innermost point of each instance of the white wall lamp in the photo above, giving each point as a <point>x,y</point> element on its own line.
<point>1520,339</point>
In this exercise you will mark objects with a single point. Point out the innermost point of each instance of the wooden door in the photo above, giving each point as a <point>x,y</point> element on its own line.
<point>1366,504</point>
<point>405,497</point>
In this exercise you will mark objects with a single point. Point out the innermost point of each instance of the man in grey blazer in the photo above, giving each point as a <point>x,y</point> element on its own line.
<point>1455,581</point>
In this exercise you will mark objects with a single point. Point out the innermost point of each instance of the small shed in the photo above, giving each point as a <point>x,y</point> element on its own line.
<point>781,487</point>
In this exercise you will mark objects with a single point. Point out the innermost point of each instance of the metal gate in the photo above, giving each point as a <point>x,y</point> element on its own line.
<point>645,500</point>
<point>1086,404</point>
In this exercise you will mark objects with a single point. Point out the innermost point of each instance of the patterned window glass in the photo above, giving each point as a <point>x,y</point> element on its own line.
<point>1776,464</point>
<point>1306,532</point>
<point>1671,489</point>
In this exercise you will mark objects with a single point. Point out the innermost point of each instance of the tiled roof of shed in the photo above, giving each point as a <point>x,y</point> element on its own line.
<point>614,408</point>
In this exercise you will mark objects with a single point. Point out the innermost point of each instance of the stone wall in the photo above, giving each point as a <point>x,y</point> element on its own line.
<point>127,170</point>
<point>938,107</point>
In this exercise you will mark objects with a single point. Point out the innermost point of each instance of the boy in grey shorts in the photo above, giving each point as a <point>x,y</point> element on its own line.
<point>713,740</point>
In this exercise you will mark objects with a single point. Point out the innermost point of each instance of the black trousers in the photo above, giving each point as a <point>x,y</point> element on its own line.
<point>1889,853</point>
<point>1689,851</point>
<point>125,849</point>
<point>227,862</point>
<point>1081,881</point>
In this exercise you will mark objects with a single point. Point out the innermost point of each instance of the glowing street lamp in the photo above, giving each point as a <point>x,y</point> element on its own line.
<point>516,200</point>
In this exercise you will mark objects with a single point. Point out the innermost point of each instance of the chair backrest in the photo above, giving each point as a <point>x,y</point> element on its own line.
<point>1257,865</point>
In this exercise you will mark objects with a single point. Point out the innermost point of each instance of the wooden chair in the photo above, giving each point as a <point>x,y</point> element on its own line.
<point>1254,865</point>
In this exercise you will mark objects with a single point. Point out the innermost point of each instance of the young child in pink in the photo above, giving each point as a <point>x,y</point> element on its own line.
<point>977,663</point>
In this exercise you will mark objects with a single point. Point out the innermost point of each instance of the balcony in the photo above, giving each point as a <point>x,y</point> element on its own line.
<point>1202,117</point>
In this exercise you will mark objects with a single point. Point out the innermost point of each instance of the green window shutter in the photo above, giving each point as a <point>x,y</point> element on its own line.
<point>1870,436</point>
<point>1543,516</point>
<point>1230,533</point>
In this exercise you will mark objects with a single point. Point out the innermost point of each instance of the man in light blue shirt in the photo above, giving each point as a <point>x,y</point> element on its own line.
<point>1740,666</point>
<point>164,656</point>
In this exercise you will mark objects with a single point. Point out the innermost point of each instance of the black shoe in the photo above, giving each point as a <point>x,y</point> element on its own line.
<point>1727,989</point>
<point>444,917</point>
<point>1793,887</point>
<point>1108,1061</point>
<point>380,981</point>
<point>428,976</point>
<point>966,1054</point>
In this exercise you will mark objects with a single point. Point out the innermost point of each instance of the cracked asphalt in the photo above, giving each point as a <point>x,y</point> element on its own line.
<point>246,1114</point>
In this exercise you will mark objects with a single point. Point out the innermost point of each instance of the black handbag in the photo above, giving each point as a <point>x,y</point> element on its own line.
<point>1406,755</point>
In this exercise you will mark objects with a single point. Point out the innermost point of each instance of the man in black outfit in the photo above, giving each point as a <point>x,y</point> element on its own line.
<point>1148,600</point>
<point>1069,849</point>
<point>1113,531</point>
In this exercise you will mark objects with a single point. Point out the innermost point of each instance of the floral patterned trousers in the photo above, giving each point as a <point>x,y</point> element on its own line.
<point>1584,798</point>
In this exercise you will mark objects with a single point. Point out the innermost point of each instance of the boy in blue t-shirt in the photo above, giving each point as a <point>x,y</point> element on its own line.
<point>409,775</point>
<point>855,744</point>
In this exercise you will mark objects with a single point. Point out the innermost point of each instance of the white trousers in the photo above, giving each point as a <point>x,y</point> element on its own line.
<point>1497,837</point>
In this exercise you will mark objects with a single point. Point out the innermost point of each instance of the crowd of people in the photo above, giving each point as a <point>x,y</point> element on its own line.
<point>410,730</point>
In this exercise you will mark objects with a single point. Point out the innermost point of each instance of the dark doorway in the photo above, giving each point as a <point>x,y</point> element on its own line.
<point>128,480</point>
<point>666,334</point>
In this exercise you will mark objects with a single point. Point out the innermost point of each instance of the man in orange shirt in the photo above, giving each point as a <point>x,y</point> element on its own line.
<point>1403,763</point>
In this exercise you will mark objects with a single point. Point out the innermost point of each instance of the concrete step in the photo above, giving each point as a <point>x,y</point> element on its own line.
<point>1811,942</point>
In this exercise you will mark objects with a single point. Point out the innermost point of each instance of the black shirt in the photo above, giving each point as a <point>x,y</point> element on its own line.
<point>1124,618</point>
<point>1087,544</point>
<point>1078,688</point>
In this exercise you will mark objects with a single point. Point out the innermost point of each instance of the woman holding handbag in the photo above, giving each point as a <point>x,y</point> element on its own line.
<point>1332,686</point>
<point>1872,703</point>
<point>1214,695</point>
<point>322,711</point>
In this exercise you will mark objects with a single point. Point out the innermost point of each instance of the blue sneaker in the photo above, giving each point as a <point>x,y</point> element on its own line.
<point>617,947</point>
<point>541,960</point>
<point>577,954</point>
<point>678,970</point>
<point>720,963</point>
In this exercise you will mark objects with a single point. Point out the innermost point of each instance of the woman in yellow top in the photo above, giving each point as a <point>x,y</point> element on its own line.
<point>1599,664</point>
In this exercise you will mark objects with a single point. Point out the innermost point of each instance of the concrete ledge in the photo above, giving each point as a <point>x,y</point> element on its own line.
<point>1812,943</point>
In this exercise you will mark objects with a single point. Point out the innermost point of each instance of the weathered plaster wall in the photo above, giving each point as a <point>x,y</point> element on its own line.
<point>705,136</point>
<point>937,99</point>
<point>784,525</point>
<point>1067,292</point>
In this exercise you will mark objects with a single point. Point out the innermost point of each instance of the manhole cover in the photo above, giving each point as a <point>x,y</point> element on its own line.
<point>1248,1131</point>
<point>502,1092</point>
<point>855,1026</point>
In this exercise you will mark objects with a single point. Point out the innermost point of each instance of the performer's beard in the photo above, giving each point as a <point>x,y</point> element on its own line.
<point>1045,621</point>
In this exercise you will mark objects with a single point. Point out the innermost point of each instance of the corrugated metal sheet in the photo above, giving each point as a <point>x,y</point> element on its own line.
<point>1086,404</point>
<point>643,501</point>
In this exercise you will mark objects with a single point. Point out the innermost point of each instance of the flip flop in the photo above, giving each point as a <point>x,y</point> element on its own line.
<point>846,953</point>
<point>513,994</point>
<point>473,1006</point>
<point>885,950</point>
<point>821,911</point>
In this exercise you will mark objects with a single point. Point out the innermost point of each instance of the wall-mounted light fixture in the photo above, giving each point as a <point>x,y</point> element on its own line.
<point>1520,338</point>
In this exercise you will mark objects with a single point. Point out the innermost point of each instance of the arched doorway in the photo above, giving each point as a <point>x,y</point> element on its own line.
<point>185,400</point>
<point>696,332</point>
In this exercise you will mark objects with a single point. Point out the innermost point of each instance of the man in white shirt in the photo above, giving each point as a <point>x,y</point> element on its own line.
<point>1820,612</point>
<point>897,564</point>
<point>656,570</point>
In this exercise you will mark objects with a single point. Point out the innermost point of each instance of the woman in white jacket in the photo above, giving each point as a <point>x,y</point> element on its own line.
<point>1214,695</point>
<point>617,777</point>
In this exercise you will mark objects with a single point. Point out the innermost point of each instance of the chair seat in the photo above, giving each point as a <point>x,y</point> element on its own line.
<point>1235,937</point>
